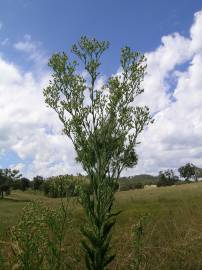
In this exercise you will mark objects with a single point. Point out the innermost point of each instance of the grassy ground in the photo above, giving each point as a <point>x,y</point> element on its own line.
<point>173,231</point>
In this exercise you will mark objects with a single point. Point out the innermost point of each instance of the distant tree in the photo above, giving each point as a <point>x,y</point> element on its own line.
<point>37,182</point>
<point>7,179</point>
<point>167,178</point>
<point>103,125</point>
<point>16,184</point>
<point>188,171</point>
<point>24,183</point>
<point>4,184</point>
<point>198,172</point>
<point>12,174</point>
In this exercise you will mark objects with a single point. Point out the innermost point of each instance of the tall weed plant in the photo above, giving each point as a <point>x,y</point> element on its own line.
<point>37,241</point>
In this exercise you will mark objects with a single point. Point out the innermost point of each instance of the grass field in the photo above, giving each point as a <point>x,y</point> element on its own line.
<point>173,231</point>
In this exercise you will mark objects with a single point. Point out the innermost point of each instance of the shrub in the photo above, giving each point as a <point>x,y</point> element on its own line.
<point>65,185</point>
<point>167,178</point>
<point>128,184</point>
<point>139,185</point>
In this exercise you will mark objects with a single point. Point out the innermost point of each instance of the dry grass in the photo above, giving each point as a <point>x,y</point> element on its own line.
<point>173,234</point>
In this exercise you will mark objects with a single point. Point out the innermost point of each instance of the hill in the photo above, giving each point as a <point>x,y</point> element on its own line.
<point>141,178</point>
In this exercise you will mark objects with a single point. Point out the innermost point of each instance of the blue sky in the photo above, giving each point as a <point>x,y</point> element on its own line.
<point>169,32</point>
<point>58,24</point>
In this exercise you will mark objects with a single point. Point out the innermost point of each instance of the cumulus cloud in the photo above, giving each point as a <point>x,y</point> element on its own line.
<point>175,137</point>
<point>173,91</point>
<point>28,127</point>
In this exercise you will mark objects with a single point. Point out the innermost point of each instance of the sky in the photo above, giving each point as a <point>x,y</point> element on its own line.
<point>169,33</point>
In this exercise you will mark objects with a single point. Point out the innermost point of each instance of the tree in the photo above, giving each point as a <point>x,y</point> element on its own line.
<point>188,171</point>
<point>167,178</point>
<point>16,184</point>
<point>12,174</point>
<point>37,182</point>
<point>103,125</point>
<point>7,178</point>
<point>4,183</point>
<point>24,183</point>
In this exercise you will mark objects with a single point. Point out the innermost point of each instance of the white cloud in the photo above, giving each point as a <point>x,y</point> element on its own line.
<point>196,33</point>
<point>173,51</point>
<point>18,166</point>
<point>33,132</point>
<point>176,135</point>
<point>32,49</point>
<point>26,45</point>
<point>28,127</point>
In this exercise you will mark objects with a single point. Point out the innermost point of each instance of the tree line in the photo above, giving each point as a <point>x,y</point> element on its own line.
<point>69,185</point>
<point>189,172</point>
<point>12,179</point>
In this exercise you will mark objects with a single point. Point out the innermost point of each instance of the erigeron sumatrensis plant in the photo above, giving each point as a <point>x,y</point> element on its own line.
<point>103,125</point>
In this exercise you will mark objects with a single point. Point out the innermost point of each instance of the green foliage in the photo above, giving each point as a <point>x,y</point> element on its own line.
<point>7,178</point>
<point>171,240</point>
<point>199,172</point>
<point>21,184</point>
<point>37,182</point>
<point>11,174</point>
<point>65,185</point>
<point>24,183</point>
<point>98,229</point>
<point>138,237</point>
<point>57,221</point>
<point>37,240</point>
<point>103,125</point>
<point>58,187</point>
<point>188,171</point>
<point>29,238</point>
<point>5,183</point>
<point>127,184</point>
<point>167,178</point>
<point>145,179</point>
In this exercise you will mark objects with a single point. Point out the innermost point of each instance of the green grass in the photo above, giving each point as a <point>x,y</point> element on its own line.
<point>173,234</point>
